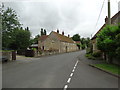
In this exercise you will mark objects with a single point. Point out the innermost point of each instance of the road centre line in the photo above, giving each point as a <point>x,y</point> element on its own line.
<point>65,87</point>
<point>69,80</point>
<point>71,74</point>
<point>74,67</point>
<point>73,70</point>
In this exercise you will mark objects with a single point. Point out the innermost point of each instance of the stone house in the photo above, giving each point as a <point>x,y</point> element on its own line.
<point>114,21</point>
<point>57,42</point>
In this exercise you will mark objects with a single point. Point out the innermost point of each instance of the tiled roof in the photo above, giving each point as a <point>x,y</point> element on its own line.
<point>43,37</point>
<point>112,20</point>
<point>63,38</point>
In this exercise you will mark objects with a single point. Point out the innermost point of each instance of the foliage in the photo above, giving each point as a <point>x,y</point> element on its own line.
<point>90,56</point>
<point>108,40</point>
<point>76,37</point>
<point>35,41</point>
<point>83,46</point>
<point>20,39</point>
<point>13,35</point>
<point>97,54</point>
<point>9,23</point>
<point>85,42</point>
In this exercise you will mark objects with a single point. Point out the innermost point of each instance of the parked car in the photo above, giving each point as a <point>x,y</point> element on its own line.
<point>3,59</point>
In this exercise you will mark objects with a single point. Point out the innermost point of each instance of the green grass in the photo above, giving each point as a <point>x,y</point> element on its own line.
<point>109,67</point>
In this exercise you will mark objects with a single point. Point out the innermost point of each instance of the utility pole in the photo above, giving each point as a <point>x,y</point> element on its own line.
<point>109,13</point>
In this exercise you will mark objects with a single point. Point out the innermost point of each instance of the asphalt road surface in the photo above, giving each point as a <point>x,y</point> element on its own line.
<point>56,71</point>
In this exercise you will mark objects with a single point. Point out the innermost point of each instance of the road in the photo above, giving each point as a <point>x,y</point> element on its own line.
<point>56,71</point>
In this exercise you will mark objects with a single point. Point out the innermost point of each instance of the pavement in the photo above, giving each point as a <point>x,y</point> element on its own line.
<point>68,70</point>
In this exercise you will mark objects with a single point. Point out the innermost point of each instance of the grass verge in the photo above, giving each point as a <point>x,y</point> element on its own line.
<point>115,69</point>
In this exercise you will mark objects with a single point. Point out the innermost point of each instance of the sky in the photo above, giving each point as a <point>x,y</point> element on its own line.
<point>70,16</point>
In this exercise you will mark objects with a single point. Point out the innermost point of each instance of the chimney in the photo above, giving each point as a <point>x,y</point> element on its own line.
<point>57,31</point>
<point>68,35</point>
<point>106,19</point>
<point>63,33</point>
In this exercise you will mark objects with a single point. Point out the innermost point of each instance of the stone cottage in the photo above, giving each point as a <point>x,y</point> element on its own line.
<point>57,42</point>
<point>114,21</point>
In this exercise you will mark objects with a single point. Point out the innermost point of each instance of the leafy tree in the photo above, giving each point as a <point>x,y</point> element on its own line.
<point>76,37</point>
<point>82,41</point>
<point>36,39</point>
<point>9,23</point>
<point>13,35</point>
<point>87,41</point>
<point>107,41</point>
<point>20,39</point>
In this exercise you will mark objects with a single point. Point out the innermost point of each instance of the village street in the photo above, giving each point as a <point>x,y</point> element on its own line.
<point>56,72</point>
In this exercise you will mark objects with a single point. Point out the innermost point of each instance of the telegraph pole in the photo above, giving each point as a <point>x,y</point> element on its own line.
<point>109,13</point>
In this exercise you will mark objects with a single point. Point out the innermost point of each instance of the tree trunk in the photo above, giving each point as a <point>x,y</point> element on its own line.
<point>109,59</point>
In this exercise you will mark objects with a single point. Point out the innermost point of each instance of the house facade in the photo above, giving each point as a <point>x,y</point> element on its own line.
<point>114,21</point>
<point>57,42</point>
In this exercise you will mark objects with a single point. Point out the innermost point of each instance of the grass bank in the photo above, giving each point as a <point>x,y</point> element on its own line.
<point>115,69</point>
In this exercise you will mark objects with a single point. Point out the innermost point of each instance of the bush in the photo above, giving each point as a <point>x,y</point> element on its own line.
<point>89,51</point>
<point>97,54</point>
<point>89,56</point>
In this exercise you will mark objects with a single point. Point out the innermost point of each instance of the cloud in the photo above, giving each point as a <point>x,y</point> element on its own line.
<point>70,16</point>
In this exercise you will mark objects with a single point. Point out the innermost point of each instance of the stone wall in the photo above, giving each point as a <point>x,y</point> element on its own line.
<point>8,55</point>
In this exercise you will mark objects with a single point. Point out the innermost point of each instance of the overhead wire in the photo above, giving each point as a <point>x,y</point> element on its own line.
<point>99,15</point>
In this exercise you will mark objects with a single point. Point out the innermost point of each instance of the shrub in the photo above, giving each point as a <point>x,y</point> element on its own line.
<point>89,56</point>
<point>97,54</point>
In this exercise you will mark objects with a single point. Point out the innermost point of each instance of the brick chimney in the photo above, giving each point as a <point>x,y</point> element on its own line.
<point>68,35</point>
<point>57,31</point>
<point>63,33</point>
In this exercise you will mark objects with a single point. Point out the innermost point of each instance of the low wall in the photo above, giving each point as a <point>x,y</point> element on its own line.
<point>116,61</point>
<point>51,53</point>
<point>10,55</point>
<point>7,54</point>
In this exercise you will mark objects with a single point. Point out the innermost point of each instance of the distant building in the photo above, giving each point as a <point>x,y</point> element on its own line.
<point>114,21</point>
<point>57,42</point>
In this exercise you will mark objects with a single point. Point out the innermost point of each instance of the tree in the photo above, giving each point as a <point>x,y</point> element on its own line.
<point>76,37</point>
<point>13,35</point>
<point>36,39</point>
<point>87,42</point>
<point>20,39</point>
<point>108,41</point>
<point>9,23</point>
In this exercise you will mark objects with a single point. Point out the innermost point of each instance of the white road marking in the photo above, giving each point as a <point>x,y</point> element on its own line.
<point>69,80</point>
<point>76,63</point>
<point>73,70</point>
<point>74,67</point>
<point>71,74</point>
<point>65,87</point>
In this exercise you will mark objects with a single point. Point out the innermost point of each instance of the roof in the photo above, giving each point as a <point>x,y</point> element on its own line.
<point>43,37</point>
<point>63,38</point>
<point>78,42</point>
<point>34,45</point>
<point>112,20</point>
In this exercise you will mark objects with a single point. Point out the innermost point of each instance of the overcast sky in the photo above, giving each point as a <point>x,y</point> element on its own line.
<point>70,16</point>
